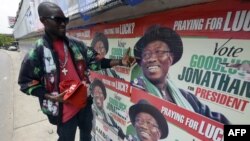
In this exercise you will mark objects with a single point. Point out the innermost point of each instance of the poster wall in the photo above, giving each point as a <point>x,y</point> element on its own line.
<point>111,101</point>
<point>192,70</point>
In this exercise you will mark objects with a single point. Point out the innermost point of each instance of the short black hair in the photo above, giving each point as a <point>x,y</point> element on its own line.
<point>98,82</point>
<point>99,36</point>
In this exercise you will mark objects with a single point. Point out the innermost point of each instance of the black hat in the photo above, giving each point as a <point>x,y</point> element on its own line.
<point>99,83</point>
<point>167,35</point>
<point>145,106</point>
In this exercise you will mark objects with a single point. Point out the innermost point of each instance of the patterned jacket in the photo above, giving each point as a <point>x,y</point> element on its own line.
<point>39,73</point>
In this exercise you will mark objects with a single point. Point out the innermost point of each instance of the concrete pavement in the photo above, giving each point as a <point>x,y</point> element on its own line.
<point>6,97</point>
<point>29,123</point>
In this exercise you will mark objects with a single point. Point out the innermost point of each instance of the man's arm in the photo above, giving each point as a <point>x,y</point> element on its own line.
<point>125,61</point>
<point>30,75</point>
<point>57,98</point>
<point>95,62</point>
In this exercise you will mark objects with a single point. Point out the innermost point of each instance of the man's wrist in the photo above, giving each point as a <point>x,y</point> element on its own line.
<point>49,97</point>
<point>116,62</point>
<point>120,62</point>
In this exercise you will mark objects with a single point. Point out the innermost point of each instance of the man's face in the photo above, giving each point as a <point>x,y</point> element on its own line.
<point>99,47</point>
<point>156,60</point>
<point>55,23</point>
<point>146,127</point>
<point>98,97</point>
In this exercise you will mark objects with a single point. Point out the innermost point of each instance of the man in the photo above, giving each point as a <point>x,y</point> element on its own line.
<point>101,45</point>
<point>99,94</point>
<point>57,58</point>
<point>156,52</point>
<point>149,123</point>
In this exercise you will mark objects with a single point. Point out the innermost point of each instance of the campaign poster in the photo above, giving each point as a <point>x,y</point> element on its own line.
<point>111,48</point>
<point>103,132</point>
<point>189,125</point>
<point>208,75</point>
<point>206,71</point>
<point>118,48</point>
<point>211,74</point>
<point>214,65</point>
<point>111,100</point>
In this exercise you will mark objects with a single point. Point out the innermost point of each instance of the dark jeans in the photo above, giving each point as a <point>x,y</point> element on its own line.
<point>83,119</point>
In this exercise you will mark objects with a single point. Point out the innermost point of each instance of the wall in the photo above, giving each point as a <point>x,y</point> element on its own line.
<point>20,28</point>
<point>212,74</point>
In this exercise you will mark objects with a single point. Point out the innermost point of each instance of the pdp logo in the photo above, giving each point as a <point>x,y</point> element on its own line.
<point>241,132</point>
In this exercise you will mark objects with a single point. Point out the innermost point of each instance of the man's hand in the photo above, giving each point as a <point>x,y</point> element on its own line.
<point>128,60</point>
<point>56,98</point>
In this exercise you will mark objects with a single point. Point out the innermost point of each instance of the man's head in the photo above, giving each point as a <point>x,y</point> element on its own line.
<point>53,19</point>
<point>100,44</point>
<point>156,51</point>
<point>149,123</point>
<point>98,92</point>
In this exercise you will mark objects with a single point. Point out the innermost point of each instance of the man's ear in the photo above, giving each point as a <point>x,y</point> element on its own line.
<point>159,134</point>
<point>171,58</point>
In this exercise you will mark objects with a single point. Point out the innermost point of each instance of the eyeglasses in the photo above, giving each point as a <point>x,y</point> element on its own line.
<point>149,124</point>
<point>58,20</point>
<point>159,53</point>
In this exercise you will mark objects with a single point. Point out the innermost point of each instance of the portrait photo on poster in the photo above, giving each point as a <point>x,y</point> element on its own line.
<point>99,94</point>
<point>155,52</point>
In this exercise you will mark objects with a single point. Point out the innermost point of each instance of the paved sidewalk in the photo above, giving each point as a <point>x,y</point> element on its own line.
<point>30,124</point>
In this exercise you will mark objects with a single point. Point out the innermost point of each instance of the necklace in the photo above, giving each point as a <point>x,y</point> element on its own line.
<point>63,64</point>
